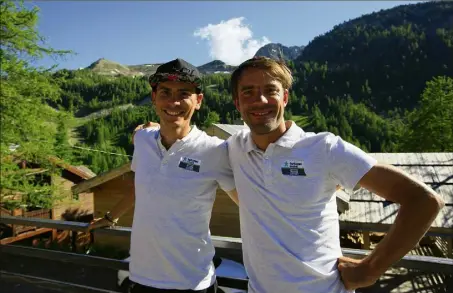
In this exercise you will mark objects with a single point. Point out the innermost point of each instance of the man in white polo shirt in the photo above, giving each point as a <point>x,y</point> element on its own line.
<point>177,171</point>
<point>286,180</point>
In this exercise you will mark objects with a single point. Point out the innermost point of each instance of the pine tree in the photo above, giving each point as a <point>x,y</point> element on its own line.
<point>27,131</point>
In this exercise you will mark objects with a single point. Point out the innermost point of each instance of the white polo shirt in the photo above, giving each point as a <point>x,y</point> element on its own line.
<point>174,193</point>
<point>289,220</point>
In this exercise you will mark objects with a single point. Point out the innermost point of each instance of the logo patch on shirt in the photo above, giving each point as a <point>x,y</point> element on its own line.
<point>293,168</point>
<point>189,164</point>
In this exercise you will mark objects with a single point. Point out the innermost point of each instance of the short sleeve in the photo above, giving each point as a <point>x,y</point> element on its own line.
<point>137,138</point>
<point>134,161</point>
<point>223,170</point>
<point>347,163</point>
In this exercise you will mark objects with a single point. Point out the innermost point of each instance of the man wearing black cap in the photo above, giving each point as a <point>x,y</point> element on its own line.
<point>177,171</point>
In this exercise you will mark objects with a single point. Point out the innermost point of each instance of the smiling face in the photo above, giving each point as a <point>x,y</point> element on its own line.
<point>261,100</point>
<point>175,102</point>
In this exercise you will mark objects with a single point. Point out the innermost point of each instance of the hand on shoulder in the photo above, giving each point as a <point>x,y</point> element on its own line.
<point>143,126</point>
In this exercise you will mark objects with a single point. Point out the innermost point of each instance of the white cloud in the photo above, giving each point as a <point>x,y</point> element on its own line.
<point>230,41</point>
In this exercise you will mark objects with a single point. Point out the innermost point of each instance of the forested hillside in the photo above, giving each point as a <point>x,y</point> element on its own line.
<point>381,81</point>
<point>364,74</point>
<point>84,92</point>
<point>382,60</point>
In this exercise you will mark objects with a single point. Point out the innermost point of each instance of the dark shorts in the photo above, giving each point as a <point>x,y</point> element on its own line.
<point>138,288</point>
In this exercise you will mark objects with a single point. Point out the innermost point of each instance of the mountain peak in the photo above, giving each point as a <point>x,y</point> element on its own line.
<point>215,66</point>
<point>107,67</point>
<point>279,51</point>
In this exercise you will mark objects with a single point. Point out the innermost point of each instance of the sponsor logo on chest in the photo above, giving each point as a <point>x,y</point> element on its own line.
<point>189,164</point>
<point>293,168</point>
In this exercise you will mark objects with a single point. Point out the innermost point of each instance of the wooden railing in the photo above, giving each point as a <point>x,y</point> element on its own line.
<point>226,247</point>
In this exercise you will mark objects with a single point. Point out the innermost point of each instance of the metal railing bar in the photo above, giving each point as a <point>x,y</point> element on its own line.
<point>422,263</point>
<point>96,261</point>
<point>418,262</point>
<point>45,223</point>
<point>378,227</point>
<point>51,284</point>
<point>232,283</point>
<point>125,231</point>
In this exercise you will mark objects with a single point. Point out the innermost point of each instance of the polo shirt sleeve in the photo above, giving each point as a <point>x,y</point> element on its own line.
<point>135,154</point>
<point>223,170</point>
<point>348,163</point>
<point>134,161</point>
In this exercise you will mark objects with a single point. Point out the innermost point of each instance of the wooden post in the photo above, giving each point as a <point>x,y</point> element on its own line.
<point>15,213</point>
<point>366,240</point>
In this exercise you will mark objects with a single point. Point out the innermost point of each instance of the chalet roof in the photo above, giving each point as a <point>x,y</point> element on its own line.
<point>230,128</point>
<point>434,169</point>
<point>80,171</point>
<point>101,178</point>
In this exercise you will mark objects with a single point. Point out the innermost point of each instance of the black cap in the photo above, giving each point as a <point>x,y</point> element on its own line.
<point>176,70</point>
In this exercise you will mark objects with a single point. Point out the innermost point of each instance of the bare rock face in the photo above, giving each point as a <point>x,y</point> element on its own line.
<point>278,51</point>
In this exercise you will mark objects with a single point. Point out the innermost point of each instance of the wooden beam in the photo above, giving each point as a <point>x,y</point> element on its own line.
<point>24,236</point>
<point>102,178</point>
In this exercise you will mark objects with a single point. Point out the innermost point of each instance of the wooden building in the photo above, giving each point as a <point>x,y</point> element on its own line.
<point>67,207</point>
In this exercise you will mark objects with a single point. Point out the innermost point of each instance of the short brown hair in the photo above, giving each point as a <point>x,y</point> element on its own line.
<point>276,69</point>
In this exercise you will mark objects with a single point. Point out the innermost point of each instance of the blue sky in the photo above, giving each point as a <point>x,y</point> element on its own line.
<point>139,32</point>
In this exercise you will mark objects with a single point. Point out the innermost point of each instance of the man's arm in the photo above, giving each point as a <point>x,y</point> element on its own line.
<point>233,194</point>
<point>419,206</point>
<point>143,126</point>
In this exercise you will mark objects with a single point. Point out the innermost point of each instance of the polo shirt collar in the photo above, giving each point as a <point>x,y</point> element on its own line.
<point>292,135</point>
<point>193,133</point>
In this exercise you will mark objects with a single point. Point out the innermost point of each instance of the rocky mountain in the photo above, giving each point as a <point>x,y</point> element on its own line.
<point>106,67</point>
<point>216,66</point>
<point>145,69</point>
<point>279,51</point>
<point>112,68</point>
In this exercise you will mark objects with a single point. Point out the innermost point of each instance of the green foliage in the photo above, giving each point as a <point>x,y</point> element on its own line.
<point>27,124</point>
<point>382,60</point>
<point>430,127</point>
<point>112,134</point>
<point>212,118</point>
<point>84,92</point>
